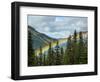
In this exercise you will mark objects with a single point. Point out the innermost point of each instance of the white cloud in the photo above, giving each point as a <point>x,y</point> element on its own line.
<point>46,29</point>
<point>58,26</point>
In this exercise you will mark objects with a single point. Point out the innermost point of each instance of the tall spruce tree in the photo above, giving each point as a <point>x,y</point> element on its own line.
<point>31,50</point>
<point>82,49</point>
<point>58,55</point>
<point>40,57</point>
<point>62,55</point>
<point>68,57</point>
<point>86,51</point>
<point>50,55</point>
<point>74,48</point>
<point>44,59</point>
<point>36,60</point>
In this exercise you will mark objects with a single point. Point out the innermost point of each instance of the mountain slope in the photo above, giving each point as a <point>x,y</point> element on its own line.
<point>42,40</point>
<point>39,39</point>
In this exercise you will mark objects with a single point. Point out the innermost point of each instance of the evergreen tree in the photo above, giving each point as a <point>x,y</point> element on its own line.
<point>58,55</point>
<point>53,56</point>
<point>82,49</point>
<point>71,50</point>
<point>62,55</point>
<point>44,59</point>
<point>40,56</point>
<point>36,60</point>
<point>50,55</point>
<point>74,48</point>
<point>31,50</point>
<point>85,51</point>
<point>68,58</point>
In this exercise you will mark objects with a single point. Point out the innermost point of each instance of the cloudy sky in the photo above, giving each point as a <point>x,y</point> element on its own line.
<point>58,26</point>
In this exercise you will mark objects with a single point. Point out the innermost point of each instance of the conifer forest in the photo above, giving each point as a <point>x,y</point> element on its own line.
<point>74,52</point>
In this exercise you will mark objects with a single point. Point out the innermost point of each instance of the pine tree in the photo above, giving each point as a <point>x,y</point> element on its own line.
<point>82,50</point>
<point>81,47</point>
<point>62,55</point>
<point>71,49</point>
<point>58,55</point>
<point>31,50</point>
<point>44,59</point>
<point>40,56</point>
<point>68,58</point>
<point>36,60</point>
<point>85,51</point>
<point>74,48</point>
<point>50,55</point>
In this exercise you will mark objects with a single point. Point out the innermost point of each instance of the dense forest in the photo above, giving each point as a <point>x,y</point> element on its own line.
<point>75,52</point>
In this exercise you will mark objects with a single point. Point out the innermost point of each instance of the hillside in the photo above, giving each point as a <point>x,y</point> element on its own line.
<point>40,39</point>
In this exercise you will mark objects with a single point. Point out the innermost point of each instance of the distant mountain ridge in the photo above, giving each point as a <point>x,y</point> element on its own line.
<point>39,39</point>
<point>42,40</point>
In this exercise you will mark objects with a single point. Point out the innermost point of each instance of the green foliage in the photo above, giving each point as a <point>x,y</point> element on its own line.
<point>74,53</point>
<point>31,51</point>
<point>50,55</point>
<point>76,50</point>
<point>62,55</point>
<point>58,55</point>
<point>68,59</point>
<point>82,49</point>
<point>44,59</point>
<point>40,56</point>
